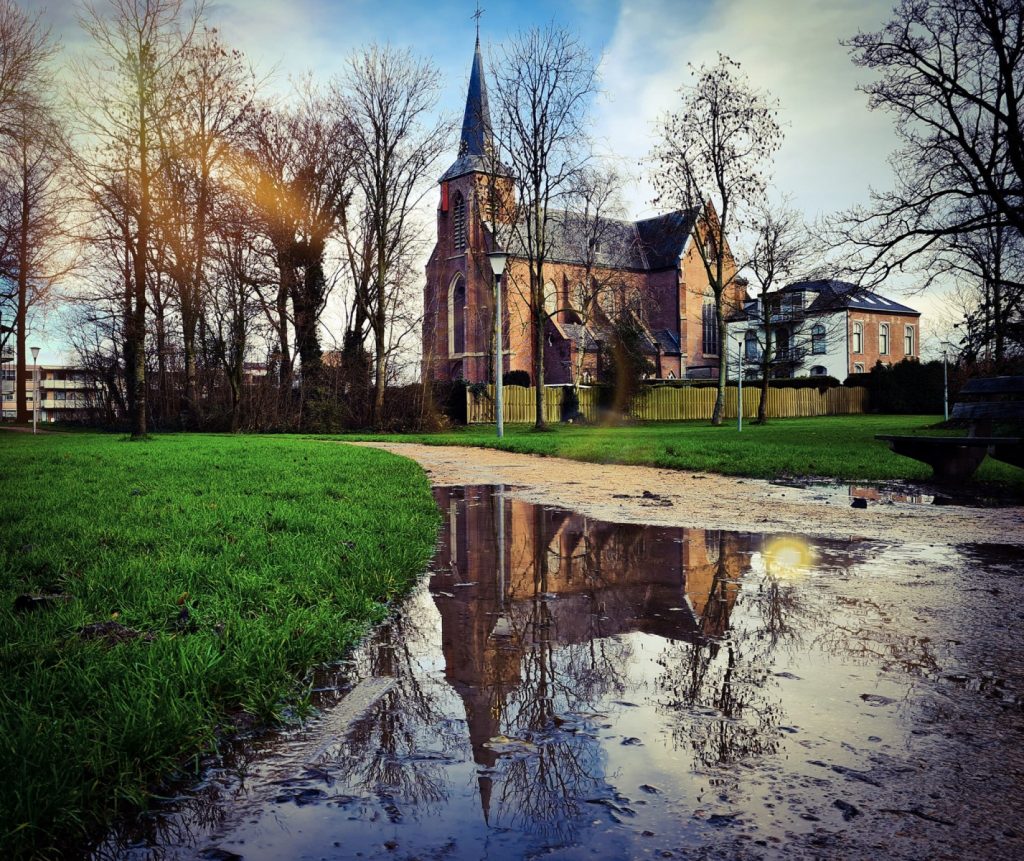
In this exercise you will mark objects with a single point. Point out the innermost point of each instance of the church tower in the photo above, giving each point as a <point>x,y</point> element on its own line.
<point>458,299</point>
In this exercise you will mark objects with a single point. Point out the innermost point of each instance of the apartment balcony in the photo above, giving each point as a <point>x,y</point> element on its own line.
<point>791,356</point>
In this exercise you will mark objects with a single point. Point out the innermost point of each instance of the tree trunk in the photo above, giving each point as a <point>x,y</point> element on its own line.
<point>21,363</point>
<point>538,358</point>
<point>723,363</point>
<point>137,334</point>
<point>379,333</point>
<point>766,364</point>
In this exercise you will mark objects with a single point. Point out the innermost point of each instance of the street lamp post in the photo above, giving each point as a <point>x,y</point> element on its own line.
<point>739,376</point>
<point>498,260</point>
<point>35,387</point>
<point>945,381</point>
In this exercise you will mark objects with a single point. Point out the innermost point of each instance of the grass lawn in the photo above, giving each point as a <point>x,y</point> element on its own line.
<point>830,446</point>
<point>201,578</point>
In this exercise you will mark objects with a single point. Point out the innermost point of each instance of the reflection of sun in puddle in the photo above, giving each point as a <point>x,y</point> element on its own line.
<point>788,557</point>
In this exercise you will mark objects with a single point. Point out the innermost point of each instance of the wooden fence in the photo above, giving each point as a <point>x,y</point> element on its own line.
<point>667,403</point>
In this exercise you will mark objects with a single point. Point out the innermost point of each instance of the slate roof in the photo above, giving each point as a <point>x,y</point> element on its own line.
<point>580,335</point>
<point>648,245</point>
<point>477,135</point>
<point>668,340</point>
<point>833,294</point>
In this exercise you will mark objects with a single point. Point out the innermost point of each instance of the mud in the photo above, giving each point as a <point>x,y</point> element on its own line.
<point>705,500</point>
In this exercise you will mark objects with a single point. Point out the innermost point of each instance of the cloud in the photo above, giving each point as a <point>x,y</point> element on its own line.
<point>834,146</point>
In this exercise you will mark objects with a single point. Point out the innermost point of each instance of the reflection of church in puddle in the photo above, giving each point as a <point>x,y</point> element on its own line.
<point>519,587</point>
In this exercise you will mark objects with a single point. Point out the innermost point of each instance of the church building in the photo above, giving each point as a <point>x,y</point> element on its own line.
<point>598,271</point>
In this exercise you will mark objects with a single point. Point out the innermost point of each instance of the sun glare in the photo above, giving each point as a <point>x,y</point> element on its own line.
<point>788,557</point>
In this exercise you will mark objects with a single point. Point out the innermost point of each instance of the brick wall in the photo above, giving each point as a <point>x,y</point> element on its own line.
<point>870,352</point>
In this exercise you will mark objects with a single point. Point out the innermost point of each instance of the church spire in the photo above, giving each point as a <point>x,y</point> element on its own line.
<point>475,143</point>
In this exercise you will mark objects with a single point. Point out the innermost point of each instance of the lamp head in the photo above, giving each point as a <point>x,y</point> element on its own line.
<point>498,260</point>
<point>35,353</point>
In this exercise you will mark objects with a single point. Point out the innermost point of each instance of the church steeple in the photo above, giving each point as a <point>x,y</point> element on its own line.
<point>475,144</point>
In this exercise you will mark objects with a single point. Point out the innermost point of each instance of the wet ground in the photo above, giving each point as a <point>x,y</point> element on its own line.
<point>563,687</point>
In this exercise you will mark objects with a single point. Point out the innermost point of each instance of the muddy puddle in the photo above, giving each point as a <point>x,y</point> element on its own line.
<point>562,687</point>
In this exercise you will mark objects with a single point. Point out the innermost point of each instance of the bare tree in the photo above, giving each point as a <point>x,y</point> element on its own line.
<point>544,81</point>
<point>712,160</point>
<point>35,227</point>
<point>26,51</point>
<point>388,98</point>
<point>210,96</point>
<point>782,251</point>
<point>238,269</point>
<point>951,72</point>
<point>298,171</point>
<point>599,245</point>
<point>988,267</point>
<point>123,100</point>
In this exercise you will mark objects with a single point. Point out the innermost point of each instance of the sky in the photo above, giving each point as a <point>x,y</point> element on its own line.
<point>834,148</point>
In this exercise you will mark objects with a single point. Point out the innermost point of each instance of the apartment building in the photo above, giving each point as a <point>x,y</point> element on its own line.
<point>65,391</point>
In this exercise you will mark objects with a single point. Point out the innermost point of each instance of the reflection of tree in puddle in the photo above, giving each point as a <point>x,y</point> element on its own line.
<point>862,631</point>
<point>398,750</point>
<point>718,689</point>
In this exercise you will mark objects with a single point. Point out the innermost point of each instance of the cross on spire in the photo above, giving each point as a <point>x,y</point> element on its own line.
<point>479,12</point>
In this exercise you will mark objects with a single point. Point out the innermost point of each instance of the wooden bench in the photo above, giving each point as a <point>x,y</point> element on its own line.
<point>982,402</point>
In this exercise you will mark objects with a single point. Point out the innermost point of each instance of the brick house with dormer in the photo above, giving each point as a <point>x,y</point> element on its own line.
<point>650,270</point>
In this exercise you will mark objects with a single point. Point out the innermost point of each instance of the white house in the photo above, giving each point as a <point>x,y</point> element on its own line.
<point>824,328</point>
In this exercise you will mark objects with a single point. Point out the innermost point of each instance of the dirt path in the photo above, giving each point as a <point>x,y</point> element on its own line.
<point>616,493</point>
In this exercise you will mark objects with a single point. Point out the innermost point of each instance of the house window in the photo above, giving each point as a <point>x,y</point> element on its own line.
<point>710,326</point>
<point>818,339</point>
<point>858,368</point>
<point>883,339</point>
<point>459,223</point>
<point>908,341</point>
<point>818,371</point>
<point>586,376</point>
<point>858,337</point>
<point>751,347</point>
<point>671,375</point>
<point>793,303</point>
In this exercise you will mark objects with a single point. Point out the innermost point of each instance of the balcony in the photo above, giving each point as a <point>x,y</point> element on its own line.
<point>792,356</point>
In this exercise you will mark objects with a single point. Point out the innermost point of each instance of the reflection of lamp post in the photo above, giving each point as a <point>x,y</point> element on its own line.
<point>35,387</point>
<point>498,259</point>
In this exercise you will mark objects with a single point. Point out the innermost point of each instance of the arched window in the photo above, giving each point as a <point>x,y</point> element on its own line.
<point>671,375</point>
<point>579,298</point>
<point>818,339</point>
<point>710,327</point>
<point>818,371</point>
<point>751,347</point>
<point>459,223</point>
<point>908,341</point>
<point>858,338</point>
<point>550,298</point>
<point>457,316</point>
<point>586,377</point>
<point>858,368</point>
<point>883,339</point>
